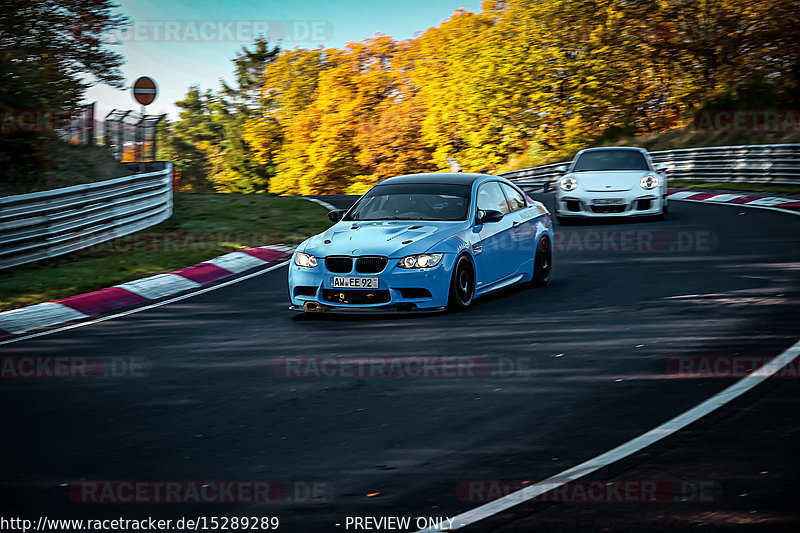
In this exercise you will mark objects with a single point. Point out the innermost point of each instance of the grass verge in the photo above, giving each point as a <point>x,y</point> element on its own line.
<point>202,227</point>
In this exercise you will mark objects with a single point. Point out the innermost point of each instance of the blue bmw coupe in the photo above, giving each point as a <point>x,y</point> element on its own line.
<point>423,242</point>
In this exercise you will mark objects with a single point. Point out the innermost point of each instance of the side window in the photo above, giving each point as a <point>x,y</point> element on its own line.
<point>515,198</point>
<point>490,196</point>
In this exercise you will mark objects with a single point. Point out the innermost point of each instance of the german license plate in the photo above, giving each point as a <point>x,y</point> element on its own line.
<point>346,282</point>
<point>607,201</point>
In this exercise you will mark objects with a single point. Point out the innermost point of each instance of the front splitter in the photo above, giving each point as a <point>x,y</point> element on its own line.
<point>314,307</point>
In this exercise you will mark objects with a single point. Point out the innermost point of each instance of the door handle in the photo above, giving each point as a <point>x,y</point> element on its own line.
<point>515,224</point>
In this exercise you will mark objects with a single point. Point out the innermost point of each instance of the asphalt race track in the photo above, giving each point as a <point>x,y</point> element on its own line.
<point>574,369</point>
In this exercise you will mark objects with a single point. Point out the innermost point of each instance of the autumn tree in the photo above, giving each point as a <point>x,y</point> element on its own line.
<point>288,88</point>
<point>519,77</point>
<point>237,104</point>
<point>345,92</point>
<point>390,142</point>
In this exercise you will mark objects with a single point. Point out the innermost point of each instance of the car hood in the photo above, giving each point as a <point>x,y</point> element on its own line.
<point>392,238</point>
<point>610,180</point>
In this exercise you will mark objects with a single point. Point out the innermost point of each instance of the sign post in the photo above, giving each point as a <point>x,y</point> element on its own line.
<point>144,92</point>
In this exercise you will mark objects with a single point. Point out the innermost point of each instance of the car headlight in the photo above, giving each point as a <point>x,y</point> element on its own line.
<point>420,261</point>
<point>305,260</point>
<point>649,182</point>
<point>568,183</point>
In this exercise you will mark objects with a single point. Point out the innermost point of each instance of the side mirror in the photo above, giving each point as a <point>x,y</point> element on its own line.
<point>660,167</point>
<point>562,169</point>
<point>547,186</point>
<point>490,215</point>
<point>336,215</point>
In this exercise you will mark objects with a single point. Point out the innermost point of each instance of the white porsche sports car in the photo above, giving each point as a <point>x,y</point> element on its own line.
<point>611,182</point>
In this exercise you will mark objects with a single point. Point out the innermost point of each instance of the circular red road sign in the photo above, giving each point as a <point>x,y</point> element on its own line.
<point>144,90</point>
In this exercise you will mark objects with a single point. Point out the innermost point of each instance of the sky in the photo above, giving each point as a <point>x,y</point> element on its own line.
<point>184,42</point>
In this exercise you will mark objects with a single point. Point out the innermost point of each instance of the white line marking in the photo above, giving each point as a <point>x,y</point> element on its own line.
<point>146,307</point>
<point>326,205</point>
<point>629,448</point>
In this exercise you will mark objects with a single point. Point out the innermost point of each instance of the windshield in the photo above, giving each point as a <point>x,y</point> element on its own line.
<point>611,160</point>
<point>413,201</point>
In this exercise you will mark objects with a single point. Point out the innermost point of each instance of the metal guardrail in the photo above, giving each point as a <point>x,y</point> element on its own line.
<point>758,163</point>
<point>49,223</point>
<point>536,176</point>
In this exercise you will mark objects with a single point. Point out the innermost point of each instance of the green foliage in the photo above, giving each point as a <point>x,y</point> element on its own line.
<point>207,144</point>
<point>242,171</point>
<point>69,165</point>
<point>193,142</point>
<point>47,49</point>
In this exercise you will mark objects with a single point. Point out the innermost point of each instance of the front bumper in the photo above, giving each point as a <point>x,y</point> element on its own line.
<point>399,290</point>
<point>314,307</point>
<point>626,204</point>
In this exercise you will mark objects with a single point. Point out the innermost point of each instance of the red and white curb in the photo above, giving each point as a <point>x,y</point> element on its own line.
<point>138,292</point>
<point>763,202</point>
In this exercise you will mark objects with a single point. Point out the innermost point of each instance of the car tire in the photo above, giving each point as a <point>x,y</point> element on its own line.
<point>563,221</point>
<point>462,285</point>
<point>663,214</point>
<point>542,262</point>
